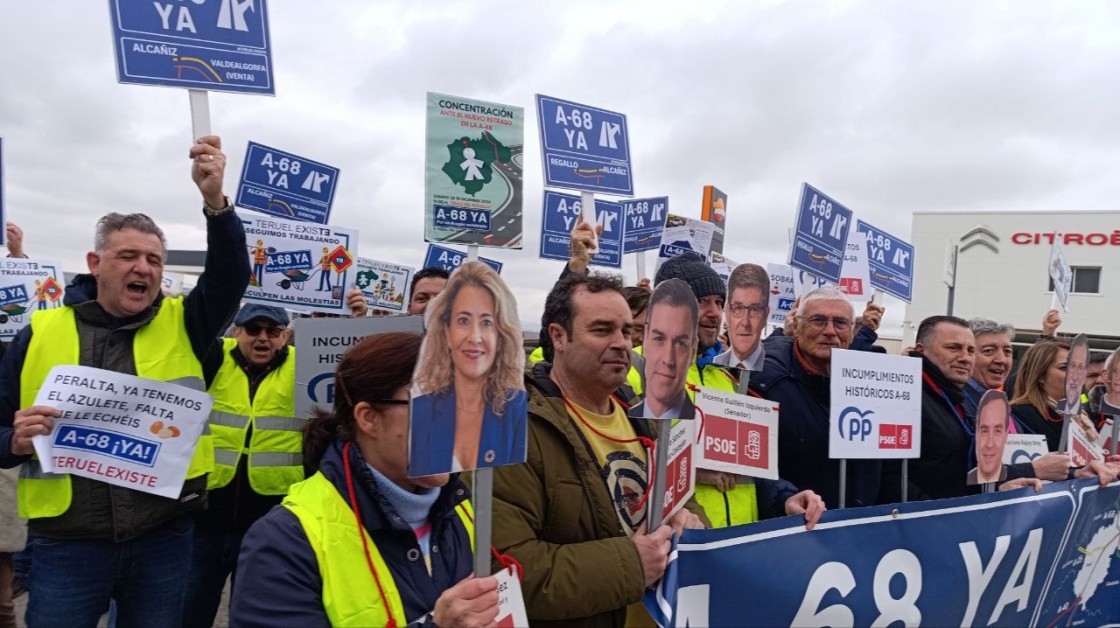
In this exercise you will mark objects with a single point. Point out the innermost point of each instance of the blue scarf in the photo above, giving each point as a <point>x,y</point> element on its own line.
<point>709,354</point>
<point>412,507</point>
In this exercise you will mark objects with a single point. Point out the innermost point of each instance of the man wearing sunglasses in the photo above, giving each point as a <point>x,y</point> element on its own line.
<point>257,448</point>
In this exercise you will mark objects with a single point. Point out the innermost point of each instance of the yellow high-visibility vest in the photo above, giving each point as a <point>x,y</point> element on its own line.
<point>161,350</point>
<point>350,593</point>
<point>276,446</point>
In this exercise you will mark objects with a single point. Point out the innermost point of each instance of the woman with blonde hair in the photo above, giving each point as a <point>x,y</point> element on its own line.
<point>468,393</point>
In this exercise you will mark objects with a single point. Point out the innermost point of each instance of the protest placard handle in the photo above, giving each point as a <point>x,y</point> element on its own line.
<point>1063,445</point>
<point>905,481</point>
<point>640,258</point>
<point>843,482</point>
<point>1054,300</point>
<point>482,499</point>
<point>482,496</point>
<point>1115,432</point>
<point>877,296</point>
<point>200,112</point>
<point>587,211</point>
<point>657,494</point>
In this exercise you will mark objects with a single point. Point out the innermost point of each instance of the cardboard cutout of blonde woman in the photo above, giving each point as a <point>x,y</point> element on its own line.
<point>993,417</point>
<point>668,349</point>
<point>468,393</point>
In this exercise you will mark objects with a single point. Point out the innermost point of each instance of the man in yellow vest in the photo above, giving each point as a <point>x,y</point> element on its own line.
<point>257,448</point>
<point>95,541</point>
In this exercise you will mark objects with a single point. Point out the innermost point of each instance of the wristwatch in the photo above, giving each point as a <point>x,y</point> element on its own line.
<point>211,212</point>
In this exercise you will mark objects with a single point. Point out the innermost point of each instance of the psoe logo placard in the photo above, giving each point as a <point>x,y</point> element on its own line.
<point>895,436</point>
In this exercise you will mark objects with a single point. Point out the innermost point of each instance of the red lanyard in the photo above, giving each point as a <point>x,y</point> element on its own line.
<point>365,545</point>
<point>648,443</point>
<point>506,561</point>
<point>969,432</point>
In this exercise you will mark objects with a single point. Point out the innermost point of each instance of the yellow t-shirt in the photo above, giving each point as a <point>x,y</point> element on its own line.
<point>624,463</point>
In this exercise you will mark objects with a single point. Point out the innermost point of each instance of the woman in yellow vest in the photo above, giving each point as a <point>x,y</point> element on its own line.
<point>359,543</point>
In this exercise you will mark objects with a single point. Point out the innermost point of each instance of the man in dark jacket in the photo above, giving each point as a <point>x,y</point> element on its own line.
<point>948,351</point>
<point>947,347</point>
<point>96,541</point>
<point>574,514</point>
<point>796,375</point>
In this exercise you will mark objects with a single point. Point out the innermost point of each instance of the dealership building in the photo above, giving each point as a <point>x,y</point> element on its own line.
<point>1002,270</point>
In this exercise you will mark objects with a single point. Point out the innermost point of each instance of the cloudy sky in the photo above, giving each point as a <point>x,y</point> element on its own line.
<point>890,107</point>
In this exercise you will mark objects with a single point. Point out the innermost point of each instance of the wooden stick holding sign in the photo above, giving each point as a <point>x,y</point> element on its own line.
<point>200,112</point>
<point>640,258</point>
<point>661,464</point>
<point>483,496</point>
<point>587,209</point>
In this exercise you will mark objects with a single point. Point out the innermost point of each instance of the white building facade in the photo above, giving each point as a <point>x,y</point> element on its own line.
<point>1002,271</point>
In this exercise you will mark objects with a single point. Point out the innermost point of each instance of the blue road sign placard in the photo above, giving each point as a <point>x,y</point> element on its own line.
<point>562,213</point>
<point>891,260</point>
<point>289,186</point>
<point>449,259</point>
<point>461,218</point>
<point>821,235</point>
<point>645,220</point>
<point>216,45</point>
<point>584,148</point>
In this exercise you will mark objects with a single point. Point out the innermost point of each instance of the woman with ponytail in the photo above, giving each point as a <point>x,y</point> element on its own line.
<point>359,543</point>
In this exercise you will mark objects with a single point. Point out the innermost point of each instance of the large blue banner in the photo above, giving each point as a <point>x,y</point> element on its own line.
<point>1013,559</point>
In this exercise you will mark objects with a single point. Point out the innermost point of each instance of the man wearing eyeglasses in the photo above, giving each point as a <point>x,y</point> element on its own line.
<point>796,374</point>
<point>257,448</point>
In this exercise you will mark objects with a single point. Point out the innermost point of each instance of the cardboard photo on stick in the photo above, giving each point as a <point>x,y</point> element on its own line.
<point>737,434</point>
<point>1110,402</point>
<point>668,348</point>
<point>746,310</point>
<point>1077,370</point>
<point>993,419</point>
<point>468,406</point>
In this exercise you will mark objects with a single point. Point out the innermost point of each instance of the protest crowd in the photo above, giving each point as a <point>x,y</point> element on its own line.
<point>165,462</point>
<point>317,520</point>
